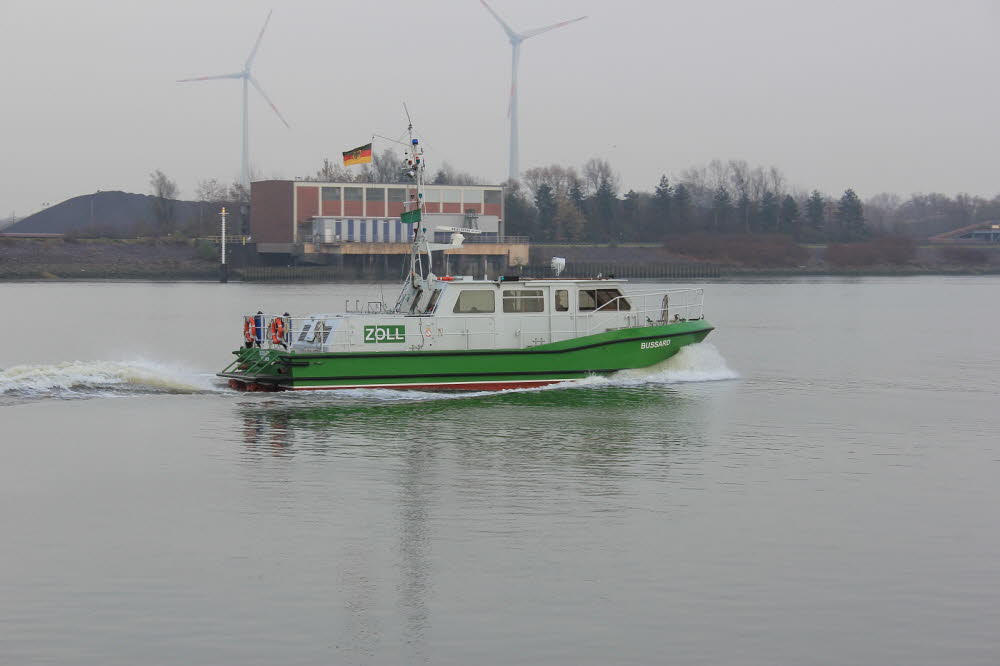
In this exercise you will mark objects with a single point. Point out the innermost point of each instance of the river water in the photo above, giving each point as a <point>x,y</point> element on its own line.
<point>817,483</point>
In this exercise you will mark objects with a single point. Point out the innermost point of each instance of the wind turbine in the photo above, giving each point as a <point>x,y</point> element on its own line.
<point>248,80</point>
<point>515,43</point>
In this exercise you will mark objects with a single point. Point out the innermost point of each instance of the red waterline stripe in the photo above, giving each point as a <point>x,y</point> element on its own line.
<point>454,386</point>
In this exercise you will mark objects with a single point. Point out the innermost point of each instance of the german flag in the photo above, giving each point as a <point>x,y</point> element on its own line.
<point>360,155</point>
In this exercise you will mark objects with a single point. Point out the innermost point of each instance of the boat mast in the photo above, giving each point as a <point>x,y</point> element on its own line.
<point>413,167</point>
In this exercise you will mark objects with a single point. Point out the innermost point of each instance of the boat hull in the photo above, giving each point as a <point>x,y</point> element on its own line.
<point>465,370</point>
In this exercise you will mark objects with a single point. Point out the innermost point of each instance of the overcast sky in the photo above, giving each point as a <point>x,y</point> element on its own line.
<point>875,95</point>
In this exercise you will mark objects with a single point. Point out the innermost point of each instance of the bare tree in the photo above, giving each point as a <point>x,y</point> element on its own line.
<point>776,181</point>
<point>569,221</point>
<point>212,191</point>
<point>331,172</point>
<point>718,176</point>
<point>598,174</point>
<point>164,194</point>
<point>560,179</point>
<point>447,175</point>
<point>881,210</point>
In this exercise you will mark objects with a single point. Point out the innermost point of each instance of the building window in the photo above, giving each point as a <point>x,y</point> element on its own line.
<point>524,300</point>
<point>331,194</point>
<point>362,229</point>
<point>451,196</point>
<point>350,230</point>
<point>492,197</point>
<point>605,300</point>
<point>339,231</point>
<point>473,196</point>
<point>375,194</point>
<point>352,194</point>
<point>562,300</point>
<point>397,194</point>
<point>432,196</point>
<point>473,301</point>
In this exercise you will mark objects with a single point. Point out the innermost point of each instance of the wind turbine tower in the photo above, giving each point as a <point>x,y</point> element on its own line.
<point>513,170</point>
<point>248,80</point>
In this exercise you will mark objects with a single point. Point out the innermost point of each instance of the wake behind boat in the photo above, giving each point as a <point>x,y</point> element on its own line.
<point>459,333</point>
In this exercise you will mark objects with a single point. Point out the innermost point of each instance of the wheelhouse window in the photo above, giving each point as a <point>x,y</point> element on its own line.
<point>562,300</point>
<point>524,300</point>
<point>605,300</point>
<point>474,301</point>
<point>433,300</point>
<point>416,301</point>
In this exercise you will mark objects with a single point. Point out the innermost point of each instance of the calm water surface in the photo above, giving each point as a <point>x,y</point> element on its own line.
<point>818,485</point>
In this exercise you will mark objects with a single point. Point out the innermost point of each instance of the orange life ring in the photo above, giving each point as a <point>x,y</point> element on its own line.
<point>249,329</point>
<point>277,330</point>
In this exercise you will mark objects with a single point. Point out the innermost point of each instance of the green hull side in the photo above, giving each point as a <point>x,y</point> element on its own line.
<point>602,353</point>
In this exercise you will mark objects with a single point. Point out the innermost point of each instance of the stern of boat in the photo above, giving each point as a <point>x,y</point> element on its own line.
<point>256,369</point>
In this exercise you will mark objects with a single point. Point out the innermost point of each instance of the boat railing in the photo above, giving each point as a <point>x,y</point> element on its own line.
<point>321,332</point>
<point>313,333</point>
<point>646,308</point>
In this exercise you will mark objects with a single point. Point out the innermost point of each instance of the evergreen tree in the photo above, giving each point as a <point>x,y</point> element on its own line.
<point>722,210</point>
<point>545,204</point>
<point>790,222</point>
<point>579,199</point>
<point>663,199</point>
<point>682,206</point>
<point>815,211</point>
<point>630,216</point>
<point>745,207</point>
<point>518,211</point>
<point>605,218</point>
<point>767,220</point>
<point>851,217</point>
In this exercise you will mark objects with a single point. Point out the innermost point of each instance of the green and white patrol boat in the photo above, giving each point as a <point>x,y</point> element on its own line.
<point>458,333</point>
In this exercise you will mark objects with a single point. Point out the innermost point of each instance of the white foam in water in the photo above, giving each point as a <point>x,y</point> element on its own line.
<point>94,378</point>
<point>694,363</point>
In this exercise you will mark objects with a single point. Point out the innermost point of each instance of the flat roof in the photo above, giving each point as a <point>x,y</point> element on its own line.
<point>427,186</point>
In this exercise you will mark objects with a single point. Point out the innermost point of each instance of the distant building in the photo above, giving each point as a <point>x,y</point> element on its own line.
<point>285,211</point>
<point>322,222</point>
<point>981,232</point>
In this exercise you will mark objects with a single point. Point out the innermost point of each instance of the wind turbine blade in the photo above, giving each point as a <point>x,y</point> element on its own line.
<point>237,75</point>
<point>253,51</point>
<point>509,30</point>
<point>263,94</point>
<point>538,31</point>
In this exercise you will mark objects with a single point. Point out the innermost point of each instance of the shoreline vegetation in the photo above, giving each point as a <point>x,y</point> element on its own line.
<point>721,219</point>
<point>682,257</point>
